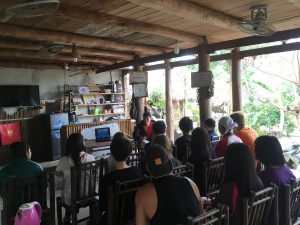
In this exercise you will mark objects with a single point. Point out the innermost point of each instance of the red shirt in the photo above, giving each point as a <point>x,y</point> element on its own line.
<point>224,142</point>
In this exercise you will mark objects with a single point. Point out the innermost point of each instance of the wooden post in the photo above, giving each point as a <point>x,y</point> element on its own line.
<point>169,105</point>
<point>139,102</point>
<point>236,80</point>
<point>203,97</point>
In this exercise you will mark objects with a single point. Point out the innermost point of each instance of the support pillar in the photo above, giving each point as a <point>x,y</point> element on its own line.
<point>169,105</point>
<point>203,96</point>
<point>236,80</point>
<point>139,102</point>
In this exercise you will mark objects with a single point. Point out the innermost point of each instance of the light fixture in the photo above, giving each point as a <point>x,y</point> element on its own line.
<point>177,48</point>
<point>75,54</point>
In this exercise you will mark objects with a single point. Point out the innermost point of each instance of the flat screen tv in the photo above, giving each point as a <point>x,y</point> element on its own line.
<point>19,95</point>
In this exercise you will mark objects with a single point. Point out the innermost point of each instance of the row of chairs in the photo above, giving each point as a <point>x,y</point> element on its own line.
<point>85,189</point>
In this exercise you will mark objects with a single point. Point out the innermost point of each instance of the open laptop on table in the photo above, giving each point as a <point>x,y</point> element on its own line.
<point>102,134</point>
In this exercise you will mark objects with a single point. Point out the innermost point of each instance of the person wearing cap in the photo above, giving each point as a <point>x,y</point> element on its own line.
<point>169,199</point>
<point>246,134</point>
<point>226,126</point>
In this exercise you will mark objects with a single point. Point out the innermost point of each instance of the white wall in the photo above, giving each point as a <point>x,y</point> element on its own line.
<point>51,81</point>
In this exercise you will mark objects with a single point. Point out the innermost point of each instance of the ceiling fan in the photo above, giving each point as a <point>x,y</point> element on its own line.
<point>257,24</point>
<point>50,49</point>
<point>27,9</point>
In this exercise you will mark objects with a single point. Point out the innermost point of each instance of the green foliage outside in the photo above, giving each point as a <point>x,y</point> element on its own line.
<point>264,114</point>
<point>157,98</point>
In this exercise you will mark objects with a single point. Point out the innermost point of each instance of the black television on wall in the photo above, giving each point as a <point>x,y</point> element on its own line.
<point>19,95</point>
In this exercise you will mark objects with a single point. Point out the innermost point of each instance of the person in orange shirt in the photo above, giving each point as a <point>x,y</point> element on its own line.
<point>246,134</point>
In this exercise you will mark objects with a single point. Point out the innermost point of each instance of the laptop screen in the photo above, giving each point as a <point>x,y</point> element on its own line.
<point>102,134</point>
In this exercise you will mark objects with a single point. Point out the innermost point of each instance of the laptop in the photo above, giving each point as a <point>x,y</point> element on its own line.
<point>102,134</point>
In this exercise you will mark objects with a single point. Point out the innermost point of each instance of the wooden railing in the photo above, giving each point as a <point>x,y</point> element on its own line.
<point>125,127</point>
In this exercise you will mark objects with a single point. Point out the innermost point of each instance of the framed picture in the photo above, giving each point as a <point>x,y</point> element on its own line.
<point>140,90</point>
<point>89,99</point>
<point>77,100</point>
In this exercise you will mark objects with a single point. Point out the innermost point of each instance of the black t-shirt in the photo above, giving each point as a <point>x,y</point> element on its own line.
<point>176,201</point>
<point>182,145</point>
<point>108,180</point>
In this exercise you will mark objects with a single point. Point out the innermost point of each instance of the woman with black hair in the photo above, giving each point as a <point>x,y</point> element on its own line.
<point>240,179</point>
<point>268,150</point>
<point>75,154</point>
<point>182,143</point>
<point>200,148</point>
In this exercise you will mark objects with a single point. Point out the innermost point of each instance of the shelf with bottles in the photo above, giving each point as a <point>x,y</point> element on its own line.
<point>103,104</point>
<point>101,114</point>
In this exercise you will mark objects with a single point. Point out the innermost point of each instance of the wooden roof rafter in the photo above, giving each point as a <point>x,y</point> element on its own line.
<point>13,53</point>
<point>117,30</point>
<point>94,17</point>
<point>279,36</point>
<point>11,31</point>
<point>192,11</point>
<point>67,49</point>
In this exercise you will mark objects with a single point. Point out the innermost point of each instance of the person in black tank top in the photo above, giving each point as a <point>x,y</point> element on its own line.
<point>169,199</point>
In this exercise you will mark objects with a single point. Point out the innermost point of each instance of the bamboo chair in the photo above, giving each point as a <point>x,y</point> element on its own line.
<point>214,176</point>
<point>291,202</point>
<point>134,159</point>
<point>84,190</point>
<point>186,170</point>
<point>216,216</point>
<point>120,199</point>
<point>256,209</point>
<point>20,190</point>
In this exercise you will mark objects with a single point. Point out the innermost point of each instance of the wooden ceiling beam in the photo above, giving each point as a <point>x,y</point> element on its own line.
<point>278,36</point>
<point>93,17</point>
<point>190,10</point>
<point>13,53</point>
<point>28,65</point>
<point>18,32</point>
<point>35,46</point>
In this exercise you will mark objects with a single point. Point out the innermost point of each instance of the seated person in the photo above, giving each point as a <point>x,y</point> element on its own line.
<point>226,126</point>
<point>269,152</point>
<point>110,161</point>
<point>209,125</point>
<point>200,152</point>
<point>169,199</point>
<point>75,154</point>
<point>182,143</point>
<point>120,148</point>
<point>164,141</point>
<point>160,127</point>
<point>246,134</point>
<point>240,179</point>
<point>21,165</point>
<point>143,130</point>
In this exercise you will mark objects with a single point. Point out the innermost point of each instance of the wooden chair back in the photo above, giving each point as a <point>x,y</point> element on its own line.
<point>19,190</point>
<point>291,202</point>
<point>134,159</point>
<point>215,216</point>
<point>257,208</point>
<point>84,185</point>
<point>186,170</point>
<point>121,201</point>
<point>215,171</point>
